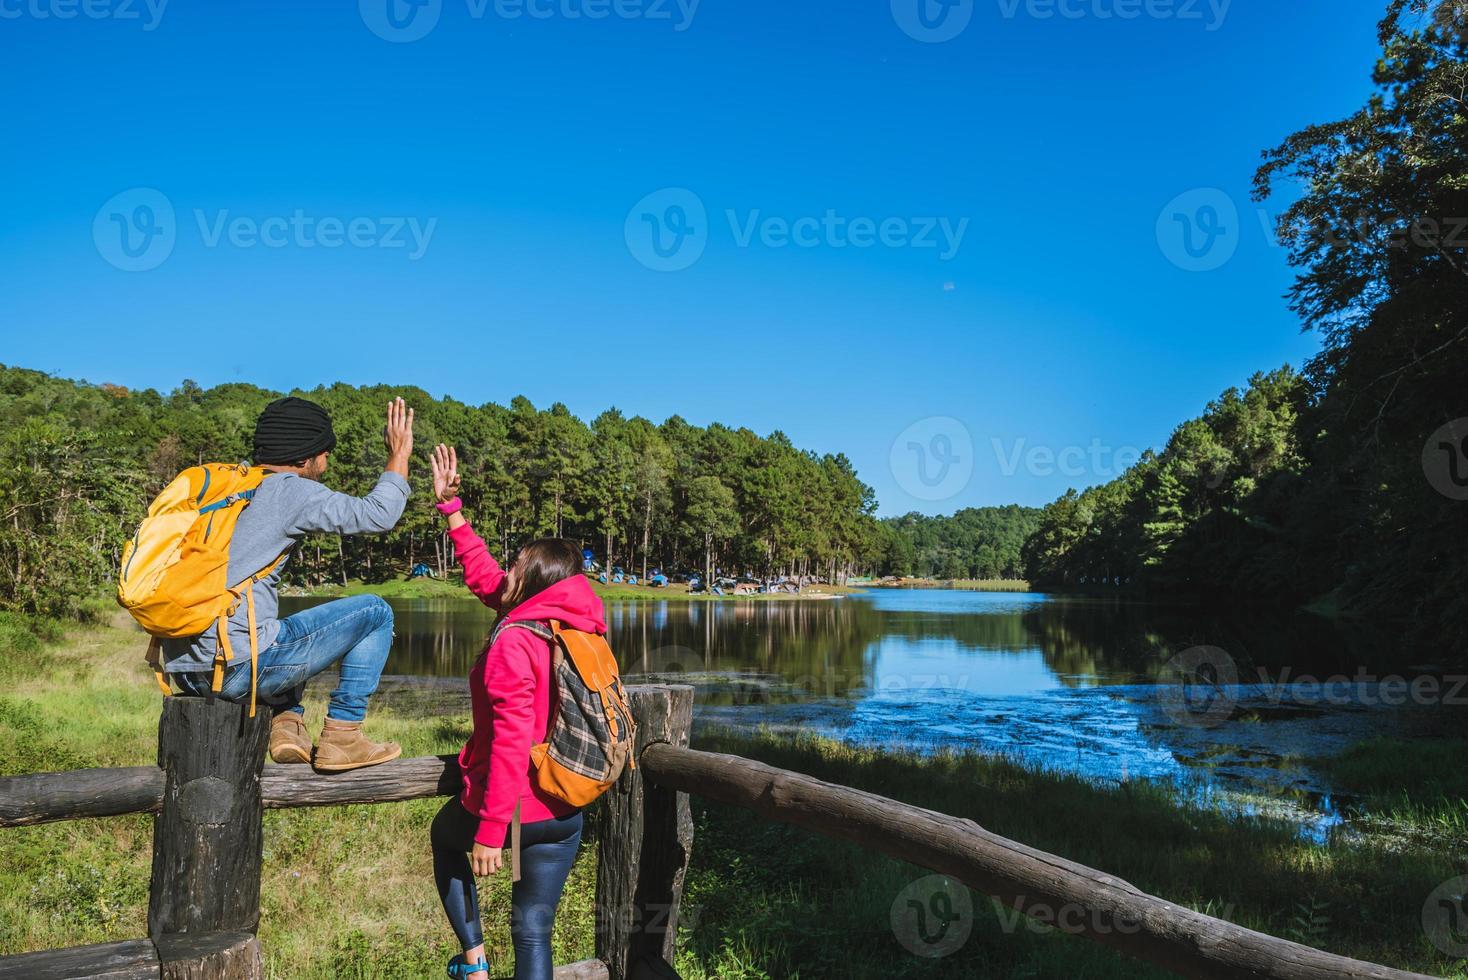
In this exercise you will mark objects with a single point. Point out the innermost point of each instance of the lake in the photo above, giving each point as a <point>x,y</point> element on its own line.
<point>1227,706</point>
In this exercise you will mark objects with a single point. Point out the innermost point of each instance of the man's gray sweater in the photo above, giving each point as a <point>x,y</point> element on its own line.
<point>285,508</point>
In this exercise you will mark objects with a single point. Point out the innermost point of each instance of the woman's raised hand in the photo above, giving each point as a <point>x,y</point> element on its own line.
<point>445,473</point>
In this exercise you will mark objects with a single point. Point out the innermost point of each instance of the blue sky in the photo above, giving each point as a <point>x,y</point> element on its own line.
<point>946,256</point>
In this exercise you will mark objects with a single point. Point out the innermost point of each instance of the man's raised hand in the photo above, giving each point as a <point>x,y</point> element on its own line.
<point>398,434</point>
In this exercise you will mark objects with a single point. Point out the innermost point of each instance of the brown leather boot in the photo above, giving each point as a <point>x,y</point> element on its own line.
<point>288,739</point>
<point>342,746</point>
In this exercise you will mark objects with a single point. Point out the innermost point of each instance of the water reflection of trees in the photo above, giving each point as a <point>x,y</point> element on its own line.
<point>822,647</point>
<point>1118,638</point>
<point>831,647</point>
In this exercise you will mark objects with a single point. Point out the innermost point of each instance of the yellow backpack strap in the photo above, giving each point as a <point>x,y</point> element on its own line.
<point>155,649</point>
<point>254,647</point>
<point>223,654</point>
<point>254,636</point>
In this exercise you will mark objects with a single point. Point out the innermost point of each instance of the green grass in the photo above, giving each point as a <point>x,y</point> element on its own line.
<point>773,901</point>
<point>418,588</point>
<point>347,891</point>
<point>1420,786</point>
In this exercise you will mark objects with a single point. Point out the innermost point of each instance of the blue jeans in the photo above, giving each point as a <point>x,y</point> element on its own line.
<point>547,850</point>
<point>356,631</point>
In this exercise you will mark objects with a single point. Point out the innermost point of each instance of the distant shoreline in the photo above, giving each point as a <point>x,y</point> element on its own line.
<point>432,588</point>
<point>960,584</point>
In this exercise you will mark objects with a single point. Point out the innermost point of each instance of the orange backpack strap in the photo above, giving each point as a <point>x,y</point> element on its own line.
<point>155,650</point>
<point>224,652</point>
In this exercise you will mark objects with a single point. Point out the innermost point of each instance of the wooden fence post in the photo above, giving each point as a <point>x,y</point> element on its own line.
<point>207,838</point>
<point>643,845</point>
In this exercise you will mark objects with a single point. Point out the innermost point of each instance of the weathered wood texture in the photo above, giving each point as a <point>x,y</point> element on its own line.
<point>584,970</point>
<point>1075,898</point>
<point>207,838</point>
<point>209,956</point>
<point>49,796</point>
<point>644,842</point>
<point>135,959</point>
<point>401,779</point>
<point>201,956</point>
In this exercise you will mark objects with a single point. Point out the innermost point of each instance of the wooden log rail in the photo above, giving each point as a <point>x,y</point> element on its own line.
<point>210,789</point>
<point>1112,911</point>
<point>210,780</point>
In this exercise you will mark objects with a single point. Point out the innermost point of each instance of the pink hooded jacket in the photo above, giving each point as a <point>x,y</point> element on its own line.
<point>510,690</point>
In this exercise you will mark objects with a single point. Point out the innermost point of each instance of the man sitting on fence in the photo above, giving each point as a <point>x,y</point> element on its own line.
<point>293,439</point>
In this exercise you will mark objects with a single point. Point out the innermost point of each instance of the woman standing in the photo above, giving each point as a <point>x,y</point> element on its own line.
<point>511,692</point>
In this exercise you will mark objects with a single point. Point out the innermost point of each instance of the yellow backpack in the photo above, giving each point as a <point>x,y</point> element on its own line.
<point>175,570</point>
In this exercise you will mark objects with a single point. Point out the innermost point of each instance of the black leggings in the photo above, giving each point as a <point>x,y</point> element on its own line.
<point>547,849</point>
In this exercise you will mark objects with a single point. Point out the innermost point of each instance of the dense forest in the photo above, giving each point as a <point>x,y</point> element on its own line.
<point>79,463</point>
<point>975,543</point>
<point>1343,485</point>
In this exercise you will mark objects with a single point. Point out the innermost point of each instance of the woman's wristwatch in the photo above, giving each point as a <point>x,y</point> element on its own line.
<point>447,507</point>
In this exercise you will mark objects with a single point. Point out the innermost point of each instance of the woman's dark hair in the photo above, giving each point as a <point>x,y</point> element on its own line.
<point>541,564</point>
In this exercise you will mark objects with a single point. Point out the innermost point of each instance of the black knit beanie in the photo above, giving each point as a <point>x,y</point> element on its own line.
<point>291,430</point>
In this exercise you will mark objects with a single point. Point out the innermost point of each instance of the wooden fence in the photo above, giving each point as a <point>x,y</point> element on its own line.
<point>210,788</point>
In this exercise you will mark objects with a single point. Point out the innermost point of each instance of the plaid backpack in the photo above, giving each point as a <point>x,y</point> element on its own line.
<point>589,737</point>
